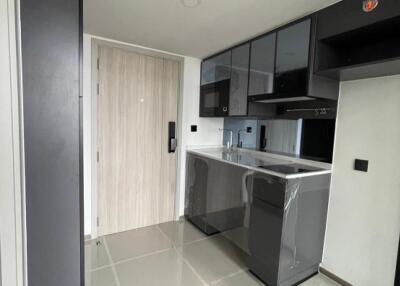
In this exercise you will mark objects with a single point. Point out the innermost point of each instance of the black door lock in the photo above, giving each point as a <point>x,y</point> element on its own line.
<point>172,142</point>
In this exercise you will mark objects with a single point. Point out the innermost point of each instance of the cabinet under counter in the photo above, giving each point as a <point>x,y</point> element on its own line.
<point>279,222</point>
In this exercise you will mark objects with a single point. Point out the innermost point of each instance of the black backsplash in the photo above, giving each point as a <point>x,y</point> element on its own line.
<point>305,138</point>
<point>317,138</point>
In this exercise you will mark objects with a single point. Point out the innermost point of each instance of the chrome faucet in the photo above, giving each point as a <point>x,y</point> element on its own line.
<point>239,142</point>
<point>229,143</point>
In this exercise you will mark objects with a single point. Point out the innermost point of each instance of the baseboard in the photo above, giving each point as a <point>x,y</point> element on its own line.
<point>334,277</point>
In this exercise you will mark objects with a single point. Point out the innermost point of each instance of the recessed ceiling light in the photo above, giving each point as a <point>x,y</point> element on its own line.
<point>191,3</point>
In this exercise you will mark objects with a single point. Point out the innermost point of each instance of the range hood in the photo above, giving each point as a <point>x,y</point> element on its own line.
<point>268,98</point>
<point>288,99</point>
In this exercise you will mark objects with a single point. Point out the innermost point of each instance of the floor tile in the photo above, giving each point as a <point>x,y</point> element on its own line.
<point>165,268</point>
<point>319,280</point>
<point>95,254</point>
<point>180,232</point>
<point>214,258</point>
<point>240,236</point>
<point>151,259</point>
<point>241,279</point>
<point>136,243</point>
<point>102,277</point>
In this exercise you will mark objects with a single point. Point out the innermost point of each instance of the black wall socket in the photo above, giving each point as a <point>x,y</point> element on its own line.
<point>361,165</point>
<point>193,128</point>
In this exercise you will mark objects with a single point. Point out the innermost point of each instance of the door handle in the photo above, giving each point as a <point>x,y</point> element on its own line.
<point>172,141</point>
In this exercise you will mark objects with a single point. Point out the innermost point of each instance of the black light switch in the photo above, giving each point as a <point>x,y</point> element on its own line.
<point>193,128</point>
<point>248,129</point>
<point>361,165</point>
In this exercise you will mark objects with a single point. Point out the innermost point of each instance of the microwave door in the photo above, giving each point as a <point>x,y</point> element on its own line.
<point>209,102</point>
<point>214,99</point>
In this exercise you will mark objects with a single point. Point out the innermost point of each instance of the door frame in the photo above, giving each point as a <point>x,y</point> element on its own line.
<point>12,200</point>
<point>95,42</point>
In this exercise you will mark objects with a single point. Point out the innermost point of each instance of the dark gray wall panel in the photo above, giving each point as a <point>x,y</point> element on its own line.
<point>51,39</point>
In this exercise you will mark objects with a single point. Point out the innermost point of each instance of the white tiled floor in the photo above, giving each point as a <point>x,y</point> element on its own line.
<point>170,254</point>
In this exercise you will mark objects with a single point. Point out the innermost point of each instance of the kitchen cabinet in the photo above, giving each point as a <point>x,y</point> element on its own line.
<point>267,213</point>
<point>213,203</point>
<point>279,222</point>
<point>216,68</point>
<point>279,67</point>
<point>239,81</point>
<point>293,77</point>
<point>224,83</point>
<point>353,17</point>
<point>262,65</point>
<point>215,85</point>
<point>362,44</point>
<point>287,226</point>
<point>292,59</point>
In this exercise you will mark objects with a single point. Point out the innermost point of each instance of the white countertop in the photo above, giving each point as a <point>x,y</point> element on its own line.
<point>253,159</point>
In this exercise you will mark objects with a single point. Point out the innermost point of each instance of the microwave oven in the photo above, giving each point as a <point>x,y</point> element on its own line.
<point>214,99</point>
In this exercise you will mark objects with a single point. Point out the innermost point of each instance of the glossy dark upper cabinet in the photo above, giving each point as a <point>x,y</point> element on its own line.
<point>276,68</point>
<point>262,65</point>
<point>239,81</point>
<point>292,58</point>
<point>216,68</point>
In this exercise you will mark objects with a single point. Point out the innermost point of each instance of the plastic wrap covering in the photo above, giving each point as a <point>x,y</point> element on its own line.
<point>247,196</point>
<point>215,199</point>
<point>287,226</point>
<point>279,222</point>
<point>290,217</point>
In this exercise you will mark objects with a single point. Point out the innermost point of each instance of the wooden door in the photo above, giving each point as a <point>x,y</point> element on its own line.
<point>138,96</point>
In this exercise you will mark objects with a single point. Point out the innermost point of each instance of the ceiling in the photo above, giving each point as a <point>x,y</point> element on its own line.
<point>170,26</point>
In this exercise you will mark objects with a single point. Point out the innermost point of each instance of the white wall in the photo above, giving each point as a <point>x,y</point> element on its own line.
<point>208,133</point>
<point>11,242</point>
<point>364,212</point>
